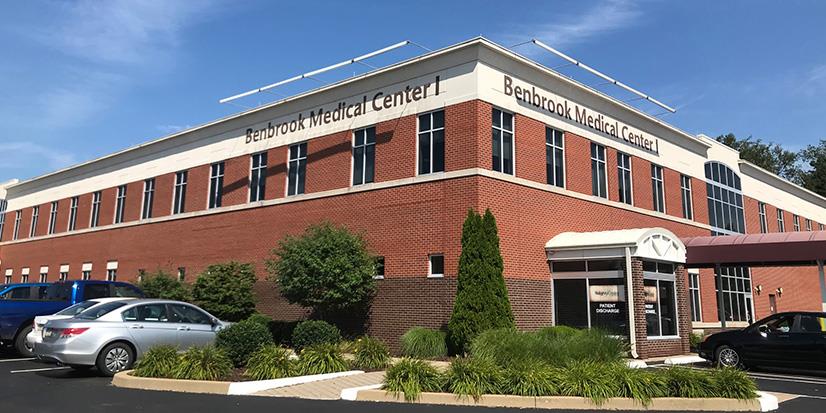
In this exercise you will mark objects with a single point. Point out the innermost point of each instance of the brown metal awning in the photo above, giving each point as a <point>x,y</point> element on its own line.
<point>773,249</point>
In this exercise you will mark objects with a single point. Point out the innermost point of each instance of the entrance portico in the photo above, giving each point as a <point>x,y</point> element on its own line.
<point>590,286</point>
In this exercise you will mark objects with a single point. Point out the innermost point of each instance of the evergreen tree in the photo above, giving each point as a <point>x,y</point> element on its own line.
<point>481,295</point>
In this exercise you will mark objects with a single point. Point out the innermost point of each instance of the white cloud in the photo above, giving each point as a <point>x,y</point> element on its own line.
<point>571,29</point>
<point>20,154</point>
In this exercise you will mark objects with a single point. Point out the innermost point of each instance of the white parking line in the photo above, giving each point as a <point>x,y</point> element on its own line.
<point>812,397</point>
<point>771,377</point>
<point>36,370</point>
<point>10,360</point>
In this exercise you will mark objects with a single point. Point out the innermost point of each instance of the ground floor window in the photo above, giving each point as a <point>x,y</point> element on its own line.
<point>660,307</point>
<point>737,296</point>
<point>591,302</point>
<point>694,296</point>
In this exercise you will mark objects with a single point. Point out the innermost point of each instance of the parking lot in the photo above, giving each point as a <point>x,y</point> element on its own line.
<point>29,386</point>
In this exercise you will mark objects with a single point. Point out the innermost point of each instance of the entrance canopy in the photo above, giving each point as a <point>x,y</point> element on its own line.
<point>651,243</point>
<point>774,249</point>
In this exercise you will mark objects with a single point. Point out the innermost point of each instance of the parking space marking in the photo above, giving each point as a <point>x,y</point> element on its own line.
<point>36,370</point>
<point>11,360</point>
<point>768,376</point>
<point>812,397</point>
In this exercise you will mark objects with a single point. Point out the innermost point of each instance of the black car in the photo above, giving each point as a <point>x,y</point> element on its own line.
<point>788,340</point>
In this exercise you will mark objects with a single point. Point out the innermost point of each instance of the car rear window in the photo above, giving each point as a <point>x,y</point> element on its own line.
<point>76,309</point>
<point>101,310</point>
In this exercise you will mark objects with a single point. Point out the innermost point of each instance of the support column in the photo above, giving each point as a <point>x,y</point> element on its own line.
<point>822,278</point>
<point>721,314</point>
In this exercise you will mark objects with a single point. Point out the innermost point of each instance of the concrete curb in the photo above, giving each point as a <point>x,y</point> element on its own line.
<point>673,361</point>
<point>125,379</point>
<point>764,403</point>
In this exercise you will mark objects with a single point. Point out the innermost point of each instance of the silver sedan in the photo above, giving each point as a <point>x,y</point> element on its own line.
<point>112,336</point>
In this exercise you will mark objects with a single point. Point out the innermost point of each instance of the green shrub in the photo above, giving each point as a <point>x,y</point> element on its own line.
<point>733,384</point>
<point>424,343</point>
<point>553,332</point>
<point>411,377</point>
<point>638,384</point>
<point>321,359</point>
<point>327,268</point>
<point>269,362</point>
<point>481,295</point>
<point>225,290</point>
<point>587,379</point>
<point>508,347</point>
<point>536,379</point>
<point>161,284</point>
<point>159,361</point>
<point>203,363</point>
<point>259,318</point>
<point>282,332</point>
<point>596,345</point>
<point>695,339</point>
<point>474,377</point>
<point>313,332</point>
<point>370,353</point>
<point>686,382</point>
<point>241,339</point>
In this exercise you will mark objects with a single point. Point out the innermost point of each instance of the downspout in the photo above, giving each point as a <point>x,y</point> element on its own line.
<point>629,288</point>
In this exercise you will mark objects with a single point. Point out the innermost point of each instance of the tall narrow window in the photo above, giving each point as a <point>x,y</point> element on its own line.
<point>52,217</point>
<point>764,223</point>
<point>148,198</point>
<point>685,191</point>
<point>3,205</point>
<point>599,179</point>
<point>179,201</point>
<point>781,223</point>
<point>258,176</point>
<point>820,227</point>
<point>624,178</point>
<point>694,296</point>
<point>35,217</point>
<point>112,274</point>
<point>44,277</point>
<point>73,213</point>
<point>364,155</point>
<point>297,169</point>
<point>216,184</point>
<point>808,224</point>
<point>502,141</point>
<point>737,293</point>
<point>658,188</point>
<point>555,157</point>
<point>432,142</point>
<point>95,214</point>
<point>120,204</point>
<point>725,199</point>
<point>16,233</point>
<point>796,223</point>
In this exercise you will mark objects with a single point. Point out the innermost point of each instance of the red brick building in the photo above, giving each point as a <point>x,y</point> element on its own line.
<point>401,154</point>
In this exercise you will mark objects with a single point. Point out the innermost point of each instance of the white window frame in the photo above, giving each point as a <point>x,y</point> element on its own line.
<point>44,277</point>
<point>16,232</point>
<point>764,221</point>
<point>595,163</point>
<point>94,214</point>
<point>553,148</point>
<point>430,273</point>
<point>35,218</point>
<point>808,224</point>
<point>365,145</point>
<point>658,188</point>
<point>796,222</point>
<point>86,271</point>
<point>120,204</point>
<point>502,132</point>
<point>621,170</point>
<point>667,277</point>
<point>694,288</point>
<point>428,134</point>
<point>258,177</point>
<point>781,221</point>
<point>179,192</point>
<point>687,197</point>
<point>72,224</point>
<point>296,163</point>
<point>52,217</point>
<point>215,196</point>
<point>3,205</point>
<point>148,198</point>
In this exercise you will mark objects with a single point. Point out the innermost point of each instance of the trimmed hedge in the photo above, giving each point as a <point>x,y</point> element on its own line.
<point>314,332</point>
<point>241,339</point>
<point>554,346</point>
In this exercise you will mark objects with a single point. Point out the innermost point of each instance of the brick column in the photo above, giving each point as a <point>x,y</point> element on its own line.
<point>661,347</point>
<point>683,309</point>
<point>640,327</point>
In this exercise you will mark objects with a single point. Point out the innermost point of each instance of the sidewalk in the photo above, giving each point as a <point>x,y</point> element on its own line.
<point>325,389</point>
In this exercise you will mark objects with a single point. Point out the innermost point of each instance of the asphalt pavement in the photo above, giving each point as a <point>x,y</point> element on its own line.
<point>29,386</point>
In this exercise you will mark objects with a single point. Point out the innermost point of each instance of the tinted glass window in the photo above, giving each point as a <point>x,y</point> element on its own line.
<point>59,291</point>
<point>781,324</point>
<point>151,313</point>
<point>187,314</point>
<point>100,311</point>
<point>812,324</point>
<point>124,290</point>
<point>568,266</point>
<point>571,303</point>
<point>19,293</point>
<point>91,291</point>
<point>76,309</point>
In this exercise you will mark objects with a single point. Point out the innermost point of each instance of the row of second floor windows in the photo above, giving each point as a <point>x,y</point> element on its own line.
<point>723,185</point>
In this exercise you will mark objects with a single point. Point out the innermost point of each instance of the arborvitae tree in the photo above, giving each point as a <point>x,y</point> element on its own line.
<point>481,295</point>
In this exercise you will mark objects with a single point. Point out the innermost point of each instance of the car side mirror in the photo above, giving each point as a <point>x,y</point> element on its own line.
<point>216,322</point>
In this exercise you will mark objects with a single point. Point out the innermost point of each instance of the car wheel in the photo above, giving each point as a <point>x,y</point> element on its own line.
<point>20,343</point>
<point>115,358</point>
<point>728,357</point>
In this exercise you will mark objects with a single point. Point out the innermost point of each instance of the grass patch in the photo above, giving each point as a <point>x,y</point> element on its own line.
<point>411,377</point>
<point>420,342</point>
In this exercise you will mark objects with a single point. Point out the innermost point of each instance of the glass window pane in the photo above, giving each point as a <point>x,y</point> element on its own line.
<point>439,150</point>
<point>507,153</point>
<point>652,311</point>
<point>424,122</point>
<point>439,119</point>
<point>497,150</point>
<point>370,163</point>
<point>424,153</point>
<point>571,303</point>
<point>668,308</point>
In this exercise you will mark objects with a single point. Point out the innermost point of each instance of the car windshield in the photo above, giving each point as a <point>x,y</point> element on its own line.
<point>100,310</point>
<point>76,309</point>
<point>59,291</point>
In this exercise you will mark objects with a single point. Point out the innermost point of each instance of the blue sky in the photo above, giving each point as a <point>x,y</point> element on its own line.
<point>82,79</point>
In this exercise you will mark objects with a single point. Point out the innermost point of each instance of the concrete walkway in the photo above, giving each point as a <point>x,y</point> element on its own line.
<point>325,389</point>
